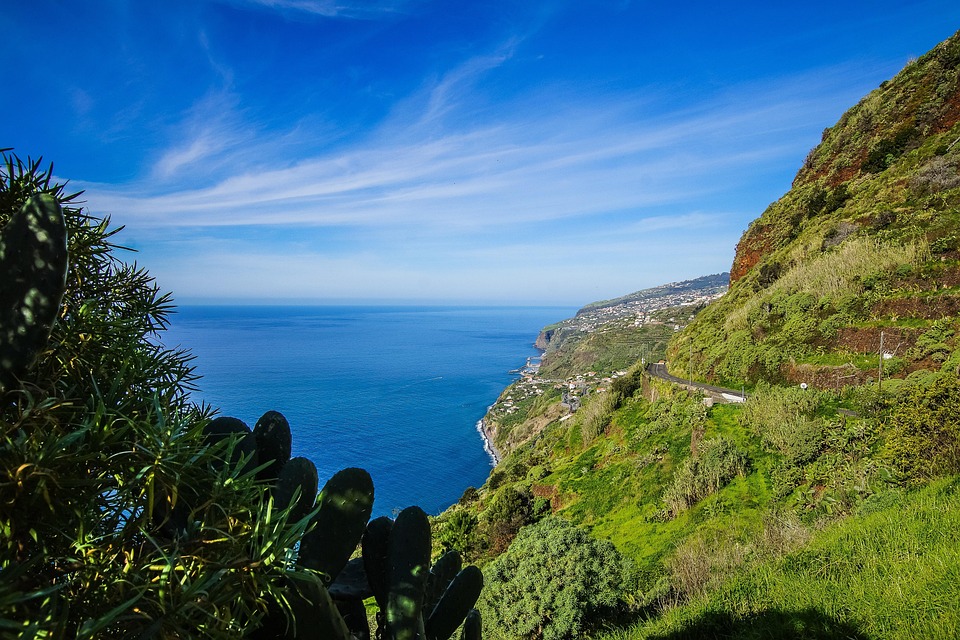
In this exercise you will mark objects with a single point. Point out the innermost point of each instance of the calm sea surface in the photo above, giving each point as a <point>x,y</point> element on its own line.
<point>395,390</point>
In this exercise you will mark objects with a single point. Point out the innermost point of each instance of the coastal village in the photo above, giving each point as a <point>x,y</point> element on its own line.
<point>669,304</point>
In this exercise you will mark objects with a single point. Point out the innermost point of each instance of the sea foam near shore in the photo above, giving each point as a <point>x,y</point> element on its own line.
<point>488,442</point>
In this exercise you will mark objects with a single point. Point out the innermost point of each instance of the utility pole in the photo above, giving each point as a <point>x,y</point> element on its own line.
<point>880,365</point>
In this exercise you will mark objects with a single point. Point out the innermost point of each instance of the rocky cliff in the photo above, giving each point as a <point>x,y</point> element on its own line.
<point>908,116</point>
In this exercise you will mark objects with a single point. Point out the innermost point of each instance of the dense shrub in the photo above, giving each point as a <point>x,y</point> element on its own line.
<point>624,387</point>
<point>554,582</point>
<point>939,174</point>
<point>784,418</point>
<point>719,461</point>
<point>924,438</point>
<point>885,152</point>
<point>934,342</point>
<point>594,416</point>
<point>457,531</point>
<point>678,411</point>
<point>508,511</point>
<point>769,273</point>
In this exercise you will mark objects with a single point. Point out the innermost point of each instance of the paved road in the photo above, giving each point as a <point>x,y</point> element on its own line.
<point>660,371</point>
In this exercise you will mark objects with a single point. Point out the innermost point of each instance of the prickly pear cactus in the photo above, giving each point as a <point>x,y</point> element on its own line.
<point>444,570</point>
<point>33,272</point>
<point>274,441</point>
<point>297,473</point>
<point>455,604</point>
<point>326,601</point>
<point>408,568</point>
<point>375,548</point>
<point>224,427</point>
<point>472,627</point>
<point>346,502</point>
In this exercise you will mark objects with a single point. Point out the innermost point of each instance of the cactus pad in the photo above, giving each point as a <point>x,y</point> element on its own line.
<point>298,473</point>
<point>33,264</point>
<point>274,441</point>
<point>376,549</point>
<point>346,502</point>
<point>409,558</point>
<point>221,428</point>
<point>455,604</point>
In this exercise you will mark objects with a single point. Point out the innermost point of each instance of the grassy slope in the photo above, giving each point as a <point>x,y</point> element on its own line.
<point>890,571</point>
<point>825,542</point>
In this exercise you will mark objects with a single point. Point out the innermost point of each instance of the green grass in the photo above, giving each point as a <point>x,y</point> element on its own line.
<point>616,486</point>
<point>890,573</point>
<point>839,358</point>
<point>744,583</point>
<point>719,550</point>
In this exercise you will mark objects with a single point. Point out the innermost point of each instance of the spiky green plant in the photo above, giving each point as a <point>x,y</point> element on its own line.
<point>101,451</point>
<point>33,261</point>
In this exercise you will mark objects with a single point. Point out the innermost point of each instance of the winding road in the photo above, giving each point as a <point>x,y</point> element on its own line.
<point>658,370</point>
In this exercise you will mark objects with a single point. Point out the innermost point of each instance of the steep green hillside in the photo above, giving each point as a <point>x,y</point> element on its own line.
<point>864,248</point>
<point>827,510</point>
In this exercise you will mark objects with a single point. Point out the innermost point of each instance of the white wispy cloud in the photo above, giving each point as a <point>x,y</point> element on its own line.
<point>565,162</point>
<point>443,197</point>
<point>448,94</point>
<point>203,146</point>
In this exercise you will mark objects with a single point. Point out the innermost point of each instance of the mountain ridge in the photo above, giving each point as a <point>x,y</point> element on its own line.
<point>636,305</point>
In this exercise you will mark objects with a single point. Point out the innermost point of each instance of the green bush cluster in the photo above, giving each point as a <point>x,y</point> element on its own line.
<point>594,416</point>
<point>507,512</point>
<point>924,435</point>
<point>629,384</point>
<point>681,411</point>
<point>555,582</point>
<point>935,342</point>
<point>786,420</point>
<point>886,151</point>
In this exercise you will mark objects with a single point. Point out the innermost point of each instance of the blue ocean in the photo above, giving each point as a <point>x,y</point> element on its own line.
<point>396,390</point>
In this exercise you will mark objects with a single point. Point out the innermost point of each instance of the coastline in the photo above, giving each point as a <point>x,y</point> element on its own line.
<point>531,367</point>
<point>488,446</point>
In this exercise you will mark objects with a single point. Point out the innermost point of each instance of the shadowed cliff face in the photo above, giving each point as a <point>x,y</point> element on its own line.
<point>922,101</point>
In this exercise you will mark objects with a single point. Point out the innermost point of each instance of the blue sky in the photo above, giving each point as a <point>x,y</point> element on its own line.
<point>515,152</point>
